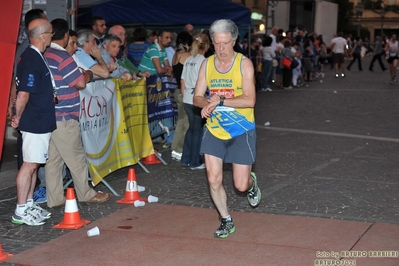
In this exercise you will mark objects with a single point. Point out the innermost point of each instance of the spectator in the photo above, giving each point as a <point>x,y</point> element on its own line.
<point>183,42</point>
<point>287,72</point>
<point>253,53</point>
<point>230,79</point>
<point>211,50</point>
<point>171,48</point>
<point>308,60</point>
<point>192,141</point>
<point>279,68</point>
<point>86,49</point>
<point>155,61</point>
<point>35,119</point>
<point>378,52</point>
<point>273,35</point>
<point>189,28</point>
<point>153,36</point>
<point>355,52</point>
<point>119,31</point>
<point>72,47</point>
<point>267,62</point>
<point>137,48</point>
<point>109,51</point>
<point>297,71</point>
<point>39,195</point>
<point>338,47</point>
<point>65,143</point>
<point>99,29</point>
<point>322,54</point>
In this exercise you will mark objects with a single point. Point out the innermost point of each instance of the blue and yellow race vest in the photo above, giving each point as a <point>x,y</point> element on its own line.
<point>227,122</point>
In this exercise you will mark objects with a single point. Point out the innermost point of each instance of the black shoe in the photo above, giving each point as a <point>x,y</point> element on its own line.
<point>384,69</point>
<point>348,68</point>
<point>371,69</point>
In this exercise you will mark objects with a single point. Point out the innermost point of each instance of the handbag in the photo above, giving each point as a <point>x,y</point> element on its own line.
<point>286,62</point>
<point>275,62</point>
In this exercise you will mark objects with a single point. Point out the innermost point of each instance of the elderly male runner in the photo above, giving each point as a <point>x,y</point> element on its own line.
<point>229,135</point>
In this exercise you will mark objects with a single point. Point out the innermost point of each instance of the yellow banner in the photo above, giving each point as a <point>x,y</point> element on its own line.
<point>114,125</point>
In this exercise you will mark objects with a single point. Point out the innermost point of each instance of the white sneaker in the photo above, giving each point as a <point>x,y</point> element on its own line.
<point>176,155</point>
<point>39,211</point>
<point>200,167</point>
<point>27,218</point>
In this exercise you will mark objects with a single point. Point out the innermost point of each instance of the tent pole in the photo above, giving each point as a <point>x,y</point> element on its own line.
<point>249,42</point>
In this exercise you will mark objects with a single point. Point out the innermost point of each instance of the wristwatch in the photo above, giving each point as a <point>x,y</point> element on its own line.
<point>222,100</point>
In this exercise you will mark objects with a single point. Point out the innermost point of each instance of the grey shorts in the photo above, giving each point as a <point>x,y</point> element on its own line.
<point>239,150</point>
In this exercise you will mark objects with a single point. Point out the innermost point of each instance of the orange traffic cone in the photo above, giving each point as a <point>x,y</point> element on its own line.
<point>72,218</point>
<point>151,159</point>
<point>4,255</point>
<point>131,194</point>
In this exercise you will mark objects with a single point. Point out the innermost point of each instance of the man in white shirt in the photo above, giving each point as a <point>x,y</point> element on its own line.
<point>274,38</point>
<point>338,47</point>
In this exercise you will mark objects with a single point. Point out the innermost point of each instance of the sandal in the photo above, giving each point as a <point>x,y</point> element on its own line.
<point>100,197</point>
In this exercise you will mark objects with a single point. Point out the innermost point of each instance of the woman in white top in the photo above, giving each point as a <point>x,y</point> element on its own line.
<point>192,141</point>
<point>392,47</point>
<point>267,62</point>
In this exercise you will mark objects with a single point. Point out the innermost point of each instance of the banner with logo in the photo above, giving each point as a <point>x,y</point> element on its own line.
<point>161,103</point>
<point>114,125</point>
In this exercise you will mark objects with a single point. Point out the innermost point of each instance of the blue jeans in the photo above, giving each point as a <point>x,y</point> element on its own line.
<point>168,139</point>
<point>267,66</point>
<point>192,141</point>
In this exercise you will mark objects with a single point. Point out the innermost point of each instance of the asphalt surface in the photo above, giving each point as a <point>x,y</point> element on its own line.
<point>331,151</point>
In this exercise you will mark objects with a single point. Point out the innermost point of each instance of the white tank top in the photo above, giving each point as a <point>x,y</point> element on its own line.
<point>393,48</point>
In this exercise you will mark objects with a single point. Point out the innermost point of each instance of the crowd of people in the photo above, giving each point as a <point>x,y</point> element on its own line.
<point>294,58</point>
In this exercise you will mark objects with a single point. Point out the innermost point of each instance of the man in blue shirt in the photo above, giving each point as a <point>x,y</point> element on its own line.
<point>35,118</point>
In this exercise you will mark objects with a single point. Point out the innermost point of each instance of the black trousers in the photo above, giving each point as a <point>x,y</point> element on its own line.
<point>356,56</point>
<point>377,57</point>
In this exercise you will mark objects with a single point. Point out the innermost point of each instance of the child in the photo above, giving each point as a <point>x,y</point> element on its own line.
<point>297,72</point>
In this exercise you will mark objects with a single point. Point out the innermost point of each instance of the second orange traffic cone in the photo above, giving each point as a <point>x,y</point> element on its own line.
<point>72,218</point>
<point>131,193</point>
<point>4,255</point>
<point>151,159</point>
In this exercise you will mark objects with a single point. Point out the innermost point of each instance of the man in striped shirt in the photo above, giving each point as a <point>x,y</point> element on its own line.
<point>66,144</point>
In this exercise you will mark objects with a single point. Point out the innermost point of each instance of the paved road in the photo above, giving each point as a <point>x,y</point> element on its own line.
<point>331,151</point>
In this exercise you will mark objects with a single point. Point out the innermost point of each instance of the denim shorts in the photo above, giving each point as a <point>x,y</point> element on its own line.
<point>238,150</point>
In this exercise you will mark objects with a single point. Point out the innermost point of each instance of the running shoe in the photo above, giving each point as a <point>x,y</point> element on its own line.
<point>176,155</point>
<point>39,211</point>
<point>199,167</point>
<point>40,195</point>
<point>254,195</point>
<point>226,227</point>
<point>27,218</point>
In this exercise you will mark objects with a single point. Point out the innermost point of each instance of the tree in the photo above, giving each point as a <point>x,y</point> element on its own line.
<point>345,12</point>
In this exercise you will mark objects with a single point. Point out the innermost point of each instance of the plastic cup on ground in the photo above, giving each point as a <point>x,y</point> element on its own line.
<point>139,203</point>
<point>152,199</point>
<point>94,231</point>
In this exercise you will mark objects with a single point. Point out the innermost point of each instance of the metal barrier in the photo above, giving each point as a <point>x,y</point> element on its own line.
<point>159,127</point>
